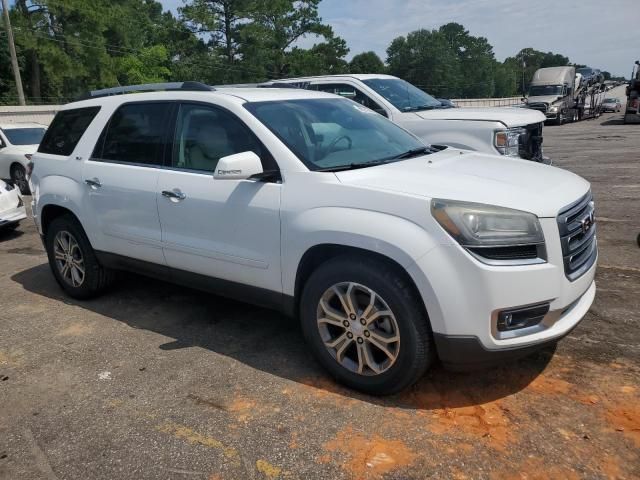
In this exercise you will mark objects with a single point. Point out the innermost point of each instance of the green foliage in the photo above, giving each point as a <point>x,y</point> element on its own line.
<point>366,62</point>
<point>66,47</point>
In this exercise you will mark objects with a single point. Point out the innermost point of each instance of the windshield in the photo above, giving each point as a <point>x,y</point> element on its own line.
<point>402,95</point>
<point>584,71</point>
<point>24,136</point>
<point>610,100</point>
<point>544,90</point>
<point>329,133</point>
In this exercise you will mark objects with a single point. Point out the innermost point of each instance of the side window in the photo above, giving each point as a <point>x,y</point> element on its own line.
<point>66,130</point>
<point>135,134</point>
<point>206,134</point>
<point>351,92</point>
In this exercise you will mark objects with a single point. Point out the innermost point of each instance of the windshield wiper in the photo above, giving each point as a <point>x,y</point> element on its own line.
<point>354,166</point>
<point>421,108</point>
<point>414,152</point>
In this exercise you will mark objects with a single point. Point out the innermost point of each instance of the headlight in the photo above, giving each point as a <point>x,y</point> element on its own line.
<point>553,109</point>
<point>507,141</point>
<point>495,234</point>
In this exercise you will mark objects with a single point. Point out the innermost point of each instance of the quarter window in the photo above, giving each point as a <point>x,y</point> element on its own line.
<point>206,134</point>
<point>66,130</point>
<point>135,134</point>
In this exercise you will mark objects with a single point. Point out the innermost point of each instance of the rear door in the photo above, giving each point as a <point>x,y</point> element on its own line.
<point>220,228</point>
<point>121,180</point>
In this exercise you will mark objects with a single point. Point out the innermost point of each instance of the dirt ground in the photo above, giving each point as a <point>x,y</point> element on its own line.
<point>158,381</point>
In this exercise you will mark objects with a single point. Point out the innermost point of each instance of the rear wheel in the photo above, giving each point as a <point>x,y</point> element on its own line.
<point>365,325</point>
<point>19,178</point>
<point>73,261</point>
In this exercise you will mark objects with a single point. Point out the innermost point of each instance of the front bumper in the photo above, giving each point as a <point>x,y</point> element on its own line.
<point>465,296</point>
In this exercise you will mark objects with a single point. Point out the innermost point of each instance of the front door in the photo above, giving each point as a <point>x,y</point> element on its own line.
<point>225,229</point>
<point>121,181</point>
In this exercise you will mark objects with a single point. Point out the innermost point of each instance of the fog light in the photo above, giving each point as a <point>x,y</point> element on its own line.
<point>522,317</point>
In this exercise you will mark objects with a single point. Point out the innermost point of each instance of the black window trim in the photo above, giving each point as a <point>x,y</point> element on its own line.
<point>48,129</point>
<point>165,136</point>
<point>174,125</point>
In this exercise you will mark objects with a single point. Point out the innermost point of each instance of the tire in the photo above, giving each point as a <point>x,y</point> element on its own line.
<point>559,119</point>
<point>408,322</point>
<point>94,279</point>
<point>19,178</point>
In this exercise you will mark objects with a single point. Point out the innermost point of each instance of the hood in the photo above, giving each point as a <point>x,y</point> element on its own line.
<point>509,116</point>
<point>475,177</point>
<point>20,149</point>
<point>543,99</point>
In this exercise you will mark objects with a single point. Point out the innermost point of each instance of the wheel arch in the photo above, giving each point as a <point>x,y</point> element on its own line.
<point>320,253</point>
<point>52,211</point>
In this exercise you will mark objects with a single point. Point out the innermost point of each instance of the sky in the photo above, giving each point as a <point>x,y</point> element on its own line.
<point>602,34</point>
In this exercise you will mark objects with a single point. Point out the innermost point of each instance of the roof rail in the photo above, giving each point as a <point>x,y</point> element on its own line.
<point>148,87</point>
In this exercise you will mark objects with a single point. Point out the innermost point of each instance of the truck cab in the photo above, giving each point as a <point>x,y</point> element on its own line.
<point>513,132</point>
<point>552,92</point>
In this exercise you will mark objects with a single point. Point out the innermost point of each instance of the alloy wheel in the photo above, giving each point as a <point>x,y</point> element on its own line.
<point>358,328</point>
<point>68,258</point>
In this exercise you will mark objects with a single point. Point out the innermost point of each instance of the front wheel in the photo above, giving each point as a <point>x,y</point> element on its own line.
<point>73,261</point>
<point>365,325</point>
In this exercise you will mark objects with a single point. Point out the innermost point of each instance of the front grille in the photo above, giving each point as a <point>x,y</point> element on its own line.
<point>542,107</point>
<point>530,143</point>
<point>577,227</point>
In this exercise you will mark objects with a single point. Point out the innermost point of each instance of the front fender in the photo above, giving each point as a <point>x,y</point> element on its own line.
<point>396,238</point>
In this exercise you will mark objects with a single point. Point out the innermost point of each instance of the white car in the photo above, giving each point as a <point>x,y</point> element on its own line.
<point>18,141</point>
<point>513,132</point>
<point>12,209</point>
<point>389,252</point>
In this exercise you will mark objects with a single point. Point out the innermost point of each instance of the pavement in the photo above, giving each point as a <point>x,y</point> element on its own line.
<point>158,381</point>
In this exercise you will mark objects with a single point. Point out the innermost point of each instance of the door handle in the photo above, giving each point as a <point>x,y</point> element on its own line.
<point>93,183</point>
<point>174,195</point>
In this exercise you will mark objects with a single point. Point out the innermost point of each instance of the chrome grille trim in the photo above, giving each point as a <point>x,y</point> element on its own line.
<point>576,224</point>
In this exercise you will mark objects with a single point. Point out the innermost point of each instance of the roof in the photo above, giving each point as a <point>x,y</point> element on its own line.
<point>242,95</point>
<point>357,76</point>
<point>12,125</point>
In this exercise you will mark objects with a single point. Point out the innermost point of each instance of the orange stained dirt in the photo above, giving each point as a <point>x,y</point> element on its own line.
<point>625,418</point>
<point>367,456</point>
<point>242,408</point>
<point>537,469</point>
<point>549,385</point>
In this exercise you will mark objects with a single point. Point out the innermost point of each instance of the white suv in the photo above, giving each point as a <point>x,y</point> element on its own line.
<point>513,132</point>
<point>391,253</point>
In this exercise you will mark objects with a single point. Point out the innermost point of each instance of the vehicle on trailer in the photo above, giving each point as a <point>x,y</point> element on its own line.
<point>18,141</point>
<point>513,132</point>
<point>552,92</point>
<point>390,252</point>
<point>590,75</point>
<point>611,105</point>
<point>632,109</point>
<point>12,209</point>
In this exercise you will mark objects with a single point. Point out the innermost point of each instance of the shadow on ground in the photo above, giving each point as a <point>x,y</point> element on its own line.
<point>270,342</point>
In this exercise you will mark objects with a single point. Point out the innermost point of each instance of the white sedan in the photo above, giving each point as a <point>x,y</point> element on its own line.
<point>12,209</point>
<point>18,141</point>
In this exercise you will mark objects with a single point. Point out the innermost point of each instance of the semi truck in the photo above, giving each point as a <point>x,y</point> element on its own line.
<point>632,109</point>
<point>564,95</point>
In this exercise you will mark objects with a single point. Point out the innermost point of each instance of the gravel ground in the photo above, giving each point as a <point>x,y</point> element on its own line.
<point>158,381</point>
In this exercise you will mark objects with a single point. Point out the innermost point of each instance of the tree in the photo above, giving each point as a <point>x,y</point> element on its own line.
<point>426,59</point>
<point>276,25</point>
<point>366,62</point>
<point>476,61</point>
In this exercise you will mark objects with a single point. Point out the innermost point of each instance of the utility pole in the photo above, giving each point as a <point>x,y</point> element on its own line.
<point>12,50</point>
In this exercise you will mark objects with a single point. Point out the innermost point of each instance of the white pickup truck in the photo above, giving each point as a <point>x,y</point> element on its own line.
<point>515,132</point>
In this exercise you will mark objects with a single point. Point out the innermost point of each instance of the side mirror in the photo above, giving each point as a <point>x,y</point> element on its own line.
<point>238,167</point>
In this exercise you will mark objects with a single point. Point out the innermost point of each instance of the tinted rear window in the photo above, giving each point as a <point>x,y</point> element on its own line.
<point>66,130</point>
<point>24,136</point>
<point>135,134</point>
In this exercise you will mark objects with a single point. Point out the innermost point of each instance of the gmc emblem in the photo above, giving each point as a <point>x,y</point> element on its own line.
<point>587,222</point>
